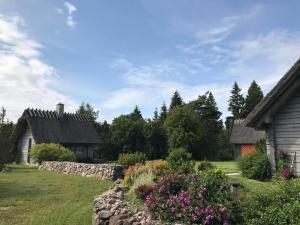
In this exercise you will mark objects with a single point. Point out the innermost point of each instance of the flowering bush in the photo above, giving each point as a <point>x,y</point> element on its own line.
<point>191,199</point>
<point>157,168</point>
<point>287,173</point>
<point>143,191</point>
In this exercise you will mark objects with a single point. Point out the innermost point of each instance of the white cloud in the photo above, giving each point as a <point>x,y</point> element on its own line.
<point>70,10</point>
<point>25,79</point>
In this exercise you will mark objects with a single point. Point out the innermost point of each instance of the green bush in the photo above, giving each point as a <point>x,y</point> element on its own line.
<point>205,165</point>
<point>180,160</point>
<point>130,159</point>
<point>51,152</point>
<point>255,166</point>
<point>261,145</point>
<point>280,206</point>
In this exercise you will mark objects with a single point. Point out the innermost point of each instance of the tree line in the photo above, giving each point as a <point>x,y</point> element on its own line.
<point>194,125</point>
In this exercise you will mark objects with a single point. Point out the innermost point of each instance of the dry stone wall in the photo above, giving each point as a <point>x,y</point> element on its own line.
<point>101,171</point>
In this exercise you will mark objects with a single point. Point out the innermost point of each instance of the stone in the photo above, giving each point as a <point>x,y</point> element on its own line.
<point>105,214</point>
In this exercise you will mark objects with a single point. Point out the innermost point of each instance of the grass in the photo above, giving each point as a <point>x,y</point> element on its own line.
<point>32,197</point>
<point>227,166</point>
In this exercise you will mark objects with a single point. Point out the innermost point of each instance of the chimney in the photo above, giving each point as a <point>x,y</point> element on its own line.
<point>60,110</point>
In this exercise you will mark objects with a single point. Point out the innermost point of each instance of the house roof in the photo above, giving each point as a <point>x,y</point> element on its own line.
<point>48,127</point>
<point>286,86</point>
<point>244,135</point>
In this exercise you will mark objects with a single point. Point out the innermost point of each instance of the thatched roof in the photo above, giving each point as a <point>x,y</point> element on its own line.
<point>286,86</point>
<point>48,127</point>
<point>244,135</point>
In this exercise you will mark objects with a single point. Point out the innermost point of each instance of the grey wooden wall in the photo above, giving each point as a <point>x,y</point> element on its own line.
<point>286,126</point>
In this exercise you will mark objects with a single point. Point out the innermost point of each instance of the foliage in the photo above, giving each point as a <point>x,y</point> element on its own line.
<point>156,146</point>
<point>142,191</point>
<point>180,160</point>
<point>183,129</point>
<point>205,165</point>
<point>130,159</point>
<point>279,206</point>
<point>254,96</point>
<point>209,123</point>
<point>176,100</point>
<point>6,145</point>
<point>107,149</point>
<point>51,152</point>
<point>224,152</point>
<point>128,133</point>
<point>236,102</point>
<point>261,146</point>
<point>192,199</point>
<point>256,166</point>
<point>163,112</point>
<point>283,168</point>
<point>86,110</point>
<point>157,168</point>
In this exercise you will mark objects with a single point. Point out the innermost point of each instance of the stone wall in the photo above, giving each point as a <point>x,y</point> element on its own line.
<point>101,171</point>
<point>111,209</point>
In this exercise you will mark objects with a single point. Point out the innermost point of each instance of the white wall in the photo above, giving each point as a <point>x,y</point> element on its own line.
<point>23,144</point>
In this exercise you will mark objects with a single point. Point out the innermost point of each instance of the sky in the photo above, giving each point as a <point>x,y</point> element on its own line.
<point>118,54</point>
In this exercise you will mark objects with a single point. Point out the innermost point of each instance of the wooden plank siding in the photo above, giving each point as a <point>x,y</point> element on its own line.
<point>287,130</point>
<point>24,143</point>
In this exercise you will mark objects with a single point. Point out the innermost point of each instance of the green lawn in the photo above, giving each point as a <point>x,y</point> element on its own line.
<point>32,197</point>
<point>227,166</point>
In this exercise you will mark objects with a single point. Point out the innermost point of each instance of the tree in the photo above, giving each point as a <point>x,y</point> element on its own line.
<point>163,112</point>
<point>136,114</point>
<point>176,100</point>
<point>254,96</point>
<point>183,129</point>
<point>236,102</point>
<point>211,124</point>
<point>6,145</point>
<point>128,133</point>
<point>86,110</point>
<point>107,150</point>
<point>156,139</point>
<point>155,114</point>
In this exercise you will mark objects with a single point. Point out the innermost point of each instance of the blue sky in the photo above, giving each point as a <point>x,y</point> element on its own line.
<point>118,54</point>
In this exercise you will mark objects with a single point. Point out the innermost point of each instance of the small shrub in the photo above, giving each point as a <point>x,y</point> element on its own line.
<point>280,206</point>
<point>130,159</point>
<point>205,165</point>
<point>256,166</point>
<point>143,191</point>
<point>261,145</point>
<point>51,152</point>
<point>156,169</point>
<point>180,160</point>
<point>287,173</point>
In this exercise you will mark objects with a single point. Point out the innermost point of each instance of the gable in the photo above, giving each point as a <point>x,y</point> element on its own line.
<point>264,112</point>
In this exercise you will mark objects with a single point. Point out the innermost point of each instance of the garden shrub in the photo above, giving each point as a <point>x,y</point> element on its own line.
<point>51,152</point>
<point>261,146</point>
<point>142,191</point>
<point>256,166</point>
<point>180,160</point>
<point>283,169</point>
<point>155,169</point>
<point>193,199</point>
<point>130,159</point>
<point>205,165</point>
<point>276,207</point>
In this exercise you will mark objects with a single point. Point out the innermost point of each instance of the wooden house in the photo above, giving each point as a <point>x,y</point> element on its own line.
<point>70,130</point>
<point>279,115</point>
<point>244,138</point>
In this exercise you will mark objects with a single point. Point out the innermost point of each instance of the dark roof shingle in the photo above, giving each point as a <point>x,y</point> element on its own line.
<point>244,135</point>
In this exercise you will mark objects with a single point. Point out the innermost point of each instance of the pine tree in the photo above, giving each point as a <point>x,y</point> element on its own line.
<point>254,96</point>
<point>136,114</point>
<point>85,109</point>
<point>176,100</point>
<point>236,102</point>
<point>163,112</point>
<point>155,114</point>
